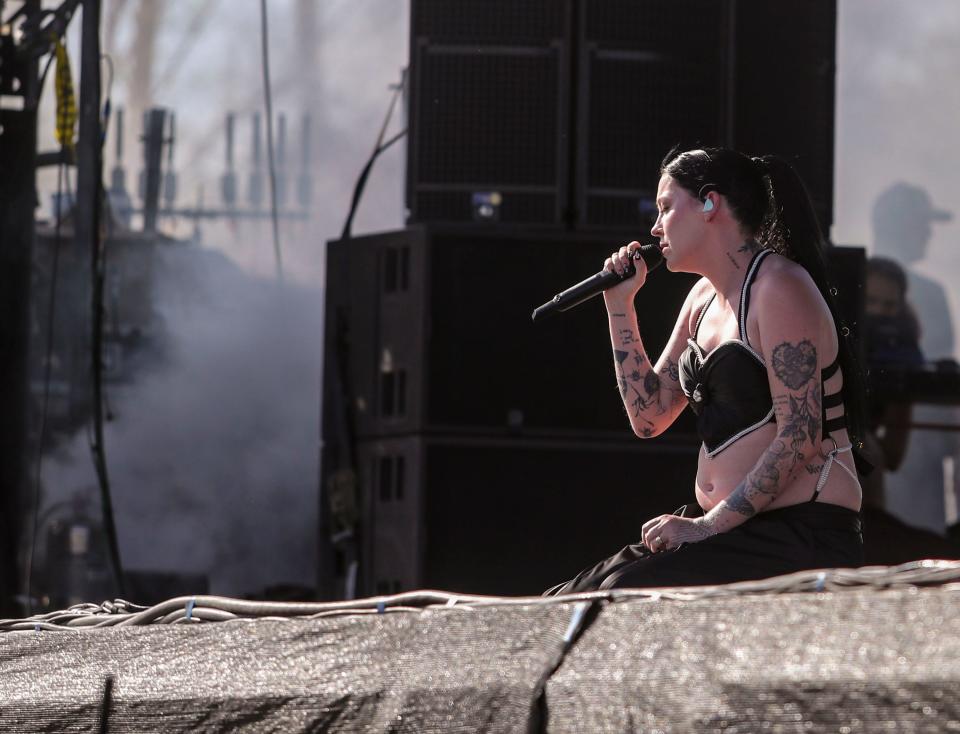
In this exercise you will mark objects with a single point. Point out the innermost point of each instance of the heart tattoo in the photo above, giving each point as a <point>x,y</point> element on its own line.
<point>795,365</point>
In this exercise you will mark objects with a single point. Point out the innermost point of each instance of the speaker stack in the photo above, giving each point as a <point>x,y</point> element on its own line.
<point>486,455</point>
<point>557,113</point>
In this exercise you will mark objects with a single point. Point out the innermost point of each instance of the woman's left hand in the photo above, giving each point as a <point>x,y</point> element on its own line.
<point>670,531</point>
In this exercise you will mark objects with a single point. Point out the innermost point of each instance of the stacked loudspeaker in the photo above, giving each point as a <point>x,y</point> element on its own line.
<point>492,456</point>
<point>556,113</point>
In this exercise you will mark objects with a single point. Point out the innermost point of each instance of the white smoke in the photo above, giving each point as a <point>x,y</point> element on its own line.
<point>213,450</point>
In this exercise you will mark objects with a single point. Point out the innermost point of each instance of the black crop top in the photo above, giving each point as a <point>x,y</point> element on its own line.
<point>728,388</point>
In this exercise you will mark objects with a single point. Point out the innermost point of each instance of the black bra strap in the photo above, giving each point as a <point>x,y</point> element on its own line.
<point>829,371</point>
<point>833,401</point>
<point>834,424</point>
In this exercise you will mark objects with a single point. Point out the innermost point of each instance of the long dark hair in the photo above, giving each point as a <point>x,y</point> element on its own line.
<point>772,205</point>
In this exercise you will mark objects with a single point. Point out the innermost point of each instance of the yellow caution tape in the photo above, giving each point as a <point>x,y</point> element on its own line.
<point>66,102</point>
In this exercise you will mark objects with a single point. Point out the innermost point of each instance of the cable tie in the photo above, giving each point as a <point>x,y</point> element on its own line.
<point>381,606</point>
<point>190,605</point>
<point>821,581</point>
<point>579,610</point>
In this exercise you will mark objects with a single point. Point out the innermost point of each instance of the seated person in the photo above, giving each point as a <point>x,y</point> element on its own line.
<point>758,354</point>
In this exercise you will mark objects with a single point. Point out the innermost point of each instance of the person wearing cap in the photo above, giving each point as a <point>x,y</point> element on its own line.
<point>903,217</point>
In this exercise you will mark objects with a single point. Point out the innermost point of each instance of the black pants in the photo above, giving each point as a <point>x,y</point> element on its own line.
<point>810,535</point>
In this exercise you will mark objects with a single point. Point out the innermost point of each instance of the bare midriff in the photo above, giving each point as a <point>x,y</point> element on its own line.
<point>718,476</point>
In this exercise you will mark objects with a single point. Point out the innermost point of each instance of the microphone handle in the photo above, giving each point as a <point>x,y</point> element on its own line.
<point>596,284</point>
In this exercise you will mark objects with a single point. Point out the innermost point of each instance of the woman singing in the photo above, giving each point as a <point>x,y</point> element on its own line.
<point>757,354</point>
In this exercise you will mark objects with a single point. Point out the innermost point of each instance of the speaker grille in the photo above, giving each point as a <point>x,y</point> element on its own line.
<point>488,118</point>
<point>652,77</point>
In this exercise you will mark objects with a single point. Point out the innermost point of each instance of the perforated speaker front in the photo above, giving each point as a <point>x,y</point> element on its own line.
<point>489,109</point>
<point>652,76</point>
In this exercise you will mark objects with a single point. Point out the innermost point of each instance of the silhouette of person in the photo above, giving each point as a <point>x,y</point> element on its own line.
<point>891,336</point>
<point>902,226</point>
<point>903,217</point>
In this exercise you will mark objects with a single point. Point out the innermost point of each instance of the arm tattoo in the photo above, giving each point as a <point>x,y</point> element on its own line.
<point>801,419</point>
<point>765,479</point>
<point>673,369</point>
<point>650,383</point>
<point>795,365</point>
<point>699,530</point>
<point>620,356</point>
<point>627,337</point>
<point>737,502</point>
<point>761,486</point>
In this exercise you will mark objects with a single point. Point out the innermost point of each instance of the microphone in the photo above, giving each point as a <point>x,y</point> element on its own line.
<point>597,284</point>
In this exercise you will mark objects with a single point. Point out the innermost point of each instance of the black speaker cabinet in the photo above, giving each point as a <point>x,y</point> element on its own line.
<point>848,268</point>
<point>558,112</point>
<point>488,111</point>
<point>652,74</point>
<point>751,74</point>
<point>436,325</point>
<point>783,88</point>
<point>508,516</point>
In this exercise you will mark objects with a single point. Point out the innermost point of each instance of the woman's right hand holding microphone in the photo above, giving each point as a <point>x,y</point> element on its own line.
<point>618,262</point>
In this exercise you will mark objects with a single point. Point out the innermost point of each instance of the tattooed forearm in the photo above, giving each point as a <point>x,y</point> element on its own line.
<point>627,337</point>
<point>754,493</point>
<point>647,392</point>
<point>620,356</point>
<point>650,395</point>
<point>673,369</point>
<point>765,478</point>
<point>699,529</point>
<point>738,502</point>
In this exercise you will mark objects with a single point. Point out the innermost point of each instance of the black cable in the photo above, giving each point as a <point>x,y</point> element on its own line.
<point>48,362</point>
<point>99,266</point>
<point>378,148</point>
<point>268,100</point>
<point>362,182</point>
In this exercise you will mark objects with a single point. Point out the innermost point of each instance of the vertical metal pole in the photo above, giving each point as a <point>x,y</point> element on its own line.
<point>153,124</point>
<point>87,214</point>
<point>18,200</point>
